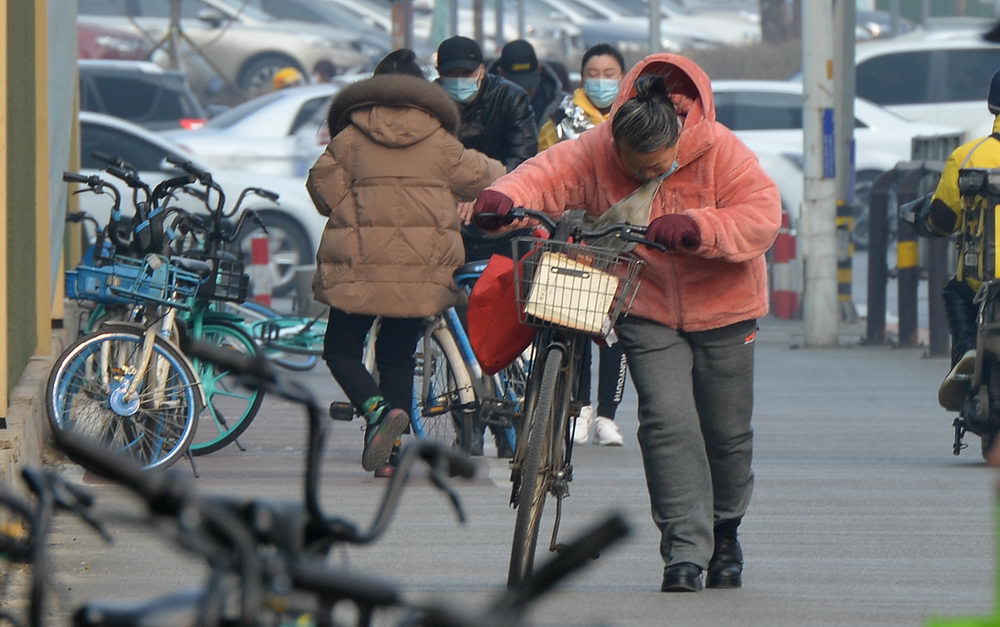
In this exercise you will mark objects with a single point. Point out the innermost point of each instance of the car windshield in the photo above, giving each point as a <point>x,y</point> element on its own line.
<point>238,114</point>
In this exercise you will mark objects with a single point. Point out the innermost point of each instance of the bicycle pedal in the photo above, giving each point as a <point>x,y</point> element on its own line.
<point>341,411</point>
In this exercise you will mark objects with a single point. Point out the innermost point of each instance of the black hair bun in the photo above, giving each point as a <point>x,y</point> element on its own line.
<point>650,88</point>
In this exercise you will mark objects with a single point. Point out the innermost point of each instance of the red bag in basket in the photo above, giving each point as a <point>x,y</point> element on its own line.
<point>496,336</point>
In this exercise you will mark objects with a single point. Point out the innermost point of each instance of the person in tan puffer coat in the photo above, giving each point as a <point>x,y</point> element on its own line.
<point>389,181</point>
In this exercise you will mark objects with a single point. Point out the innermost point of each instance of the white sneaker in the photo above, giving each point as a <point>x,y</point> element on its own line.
<point>606,432</point>
<point>581,431</point>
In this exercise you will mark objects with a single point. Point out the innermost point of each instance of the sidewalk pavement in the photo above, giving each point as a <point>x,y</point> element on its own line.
<point>861,514</point>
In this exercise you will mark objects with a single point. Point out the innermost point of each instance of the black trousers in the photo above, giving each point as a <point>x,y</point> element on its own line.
<point>611,373</point>
<point>343,351</point>
<point>961,312</point>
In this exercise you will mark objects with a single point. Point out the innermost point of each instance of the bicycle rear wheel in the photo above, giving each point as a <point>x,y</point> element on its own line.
<point>535,445</point>
<point>230,407</point>
<point>444,401</point>
<point>86,393</point>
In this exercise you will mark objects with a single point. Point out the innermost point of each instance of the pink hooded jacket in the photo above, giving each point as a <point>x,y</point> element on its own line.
<point>718,183</point>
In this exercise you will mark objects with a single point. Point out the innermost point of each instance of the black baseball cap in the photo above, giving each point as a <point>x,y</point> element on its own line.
<point>519,63</point>
<point>459,52</point>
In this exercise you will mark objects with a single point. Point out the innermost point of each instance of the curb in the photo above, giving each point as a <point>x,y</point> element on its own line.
<point>27,432</point>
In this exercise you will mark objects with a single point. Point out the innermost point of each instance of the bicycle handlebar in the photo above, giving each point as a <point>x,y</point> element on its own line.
<point>627,232</point>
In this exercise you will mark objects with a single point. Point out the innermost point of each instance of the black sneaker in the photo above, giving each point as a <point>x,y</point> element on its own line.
<point>381,436</point>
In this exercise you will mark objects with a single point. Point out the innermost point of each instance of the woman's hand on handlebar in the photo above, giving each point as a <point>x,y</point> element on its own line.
<point>491,210</point>
<point>675,231</point>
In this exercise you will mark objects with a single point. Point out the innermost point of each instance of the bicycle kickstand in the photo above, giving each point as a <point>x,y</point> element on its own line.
<point>194,468</point>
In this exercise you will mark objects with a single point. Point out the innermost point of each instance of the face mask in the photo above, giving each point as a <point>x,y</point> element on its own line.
<point>601,91</point>
<point>462,89</point>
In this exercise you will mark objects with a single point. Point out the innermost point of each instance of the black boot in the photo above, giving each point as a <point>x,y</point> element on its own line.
<point>725,570</point>
<point>682,577</point>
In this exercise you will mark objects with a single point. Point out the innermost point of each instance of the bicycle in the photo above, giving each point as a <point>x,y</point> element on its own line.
<point>269,554</point>
<point>450,390</point>
<point>572,293</point>
<point>96,383</point>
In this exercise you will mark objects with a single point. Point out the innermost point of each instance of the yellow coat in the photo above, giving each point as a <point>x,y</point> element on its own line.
<point>578,113</point>
<point>982,152</point>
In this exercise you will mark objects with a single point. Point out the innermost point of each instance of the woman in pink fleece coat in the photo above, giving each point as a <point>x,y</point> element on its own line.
<point>689,336</point>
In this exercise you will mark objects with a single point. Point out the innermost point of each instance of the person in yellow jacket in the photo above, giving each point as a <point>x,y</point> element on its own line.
<point>949,213</point>
<point>601,71</point>
<point>590,104</point>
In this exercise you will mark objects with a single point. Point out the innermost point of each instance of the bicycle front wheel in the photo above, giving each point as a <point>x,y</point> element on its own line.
<point>88,392</point>
<point>535,452</point>
<point>230,406</point>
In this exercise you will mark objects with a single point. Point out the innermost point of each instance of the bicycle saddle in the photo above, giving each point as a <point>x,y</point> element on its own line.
<point>194,266</point>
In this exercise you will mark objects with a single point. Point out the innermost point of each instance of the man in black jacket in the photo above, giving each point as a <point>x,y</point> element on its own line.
<point>497,119</point>
<point>519,64</point>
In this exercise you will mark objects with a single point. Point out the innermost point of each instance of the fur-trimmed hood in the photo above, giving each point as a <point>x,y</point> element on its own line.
<point>393,109</point>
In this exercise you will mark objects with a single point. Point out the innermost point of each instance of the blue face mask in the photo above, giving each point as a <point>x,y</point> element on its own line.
<point>670,170</point>
<point>462,89</point>
<point>601,91</point>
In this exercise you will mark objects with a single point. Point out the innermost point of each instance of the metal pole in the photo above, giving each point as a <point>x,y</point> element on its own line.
<point>477,21</point>
<point>844,88</point>
<point>908,260</point>
<point>655,37</point>
<point>878,244</point>
<point>819,237</point>
<point>452,18</point>
<point>937,277</point>
<point>174,31</point>
<point>521,25</point>
<point>402,24</point>
<point>894,17</point>
<point>498,29</point>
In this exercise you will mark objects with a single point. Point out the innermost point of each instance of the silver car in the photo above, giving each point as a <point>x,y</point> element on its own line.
<point>281,133</point>
<point>294,227</point>
<point>240,47</point>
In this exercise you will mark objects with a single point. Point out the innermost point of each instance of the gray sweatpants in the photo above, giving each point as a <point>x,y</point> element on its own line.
<point>695,401</point>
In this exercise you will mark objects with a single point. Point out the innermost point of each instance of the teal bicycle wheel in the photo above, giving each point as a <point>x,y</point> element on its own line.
<point>230,408</point>
<point>88,394</point>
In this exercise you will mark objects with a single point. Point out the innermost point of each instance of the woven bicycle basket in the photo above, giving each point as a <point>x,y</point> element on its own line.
<point>573,286</point>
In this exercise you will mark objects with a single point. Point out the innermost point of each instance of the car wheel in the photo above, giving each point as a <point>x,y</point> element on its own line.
<point>288,245</point>
<point>257,75</point>
<point>862,196</point>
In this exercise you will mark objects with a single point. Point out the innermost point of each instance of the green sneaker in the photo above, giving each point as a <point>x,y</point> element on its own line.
<point>381,435</point>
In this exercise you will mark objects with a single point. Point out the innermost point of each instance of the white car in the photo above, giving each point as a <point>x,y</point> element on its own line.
<point>767,116</point>
<point>934,77</point>
<point>294,226</point>
<point>281,133</point>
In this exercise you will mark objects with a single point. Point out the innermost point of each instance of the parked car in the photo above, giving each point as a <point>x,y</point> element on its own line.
<point>281,133</point>
<point>140,92</point>
<point>767,116</point>
<point>934,77</point>
<point>294,226</point>
<point>246,45</point>
<point>683,26</point>
<point>99,41</point>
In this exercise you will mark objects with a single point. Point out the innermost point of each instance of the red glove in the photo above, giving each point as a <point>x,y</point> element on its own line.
<point>491,202</point>
<point>674,231</point>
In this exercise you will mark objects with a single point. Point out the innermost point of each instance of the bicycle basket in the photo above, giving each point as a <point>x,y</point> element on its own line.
<point>229,281</point>
<point>133,281</point>
<point>573,286</point>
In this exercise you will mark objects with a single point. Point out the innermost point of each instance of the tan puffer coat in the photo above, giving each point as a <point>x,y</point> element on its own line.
<point>389,182</point>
